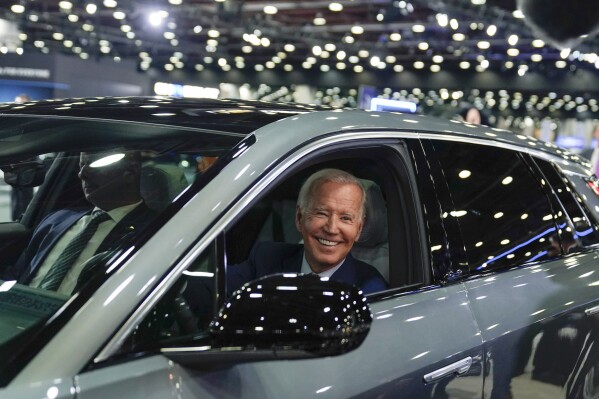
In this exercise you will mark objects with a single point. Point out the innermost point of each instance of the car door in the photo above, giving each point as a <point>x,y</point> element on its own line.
<point>423,340</point>
<point>533,304</point>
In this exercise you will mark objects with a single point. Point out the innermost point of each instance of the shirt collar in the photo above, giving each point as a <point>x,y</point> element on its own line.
<point>117,214</point>
<point>306,269</point>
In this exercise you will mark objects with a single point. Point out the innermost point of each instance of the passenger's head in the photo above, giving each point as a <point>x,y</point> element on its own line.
<point>473,116</point>
<point>110,179</point>
<point>330,216</point>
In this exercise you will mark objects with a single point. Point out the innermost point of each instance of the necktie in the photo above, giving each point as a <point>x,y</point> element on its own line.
<point>59,269</point>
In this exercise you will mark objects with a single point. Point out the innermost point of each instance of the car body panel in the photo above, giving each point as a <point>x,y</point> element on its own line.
<point>539,309</point>
<point>408,325</point>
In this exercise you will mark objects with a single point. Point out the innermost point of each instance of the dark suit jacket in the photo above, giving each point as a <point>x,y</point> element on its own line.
<point>57,223</point>
<point>274,257</point>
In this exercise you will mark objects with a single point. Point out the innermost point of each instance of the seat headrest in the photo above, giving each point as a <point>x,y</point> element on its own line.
<point>160,184</point>
<point>374,231</point>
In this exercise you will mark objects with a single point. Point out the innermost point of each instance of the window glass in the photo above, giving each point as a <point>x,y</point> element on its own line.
<point>577,230</point>
<point>586,193</point>
<point>503,214</point>
<point>184,313</point>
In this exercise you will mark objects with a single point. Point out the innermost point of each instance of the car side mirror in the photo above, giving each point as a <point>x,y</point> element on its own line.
<point>283,316</point>
<point>28,174</point>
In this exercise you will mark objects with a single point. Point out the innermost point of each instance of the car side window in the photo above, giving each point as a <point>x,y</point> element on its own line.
<point>504,216</point>
<point>579,230</point>
<point>185,311</point>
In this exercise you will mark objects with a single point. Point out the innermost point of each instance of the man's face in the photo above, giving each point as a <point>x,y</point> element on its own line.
<point>473,116</point>
<point>331,224</point>
<point>104,177</point>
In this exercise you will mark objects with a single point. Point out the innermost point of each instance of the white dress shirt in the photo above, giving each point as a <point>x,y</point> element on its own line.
<point>306,269</point>
<point>70,280</point>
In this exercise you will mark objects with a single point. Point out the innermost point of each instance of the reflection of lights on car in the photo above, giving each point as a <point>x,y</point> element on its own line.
<point>107,160</point>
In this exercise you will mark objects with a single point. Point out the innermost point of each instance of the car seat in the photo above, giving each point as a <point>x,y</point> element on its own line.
<point>160,184</point>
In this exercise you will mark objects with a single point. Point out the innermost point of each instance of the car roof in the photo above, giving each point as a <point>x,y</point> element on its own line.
<point>242,117</point>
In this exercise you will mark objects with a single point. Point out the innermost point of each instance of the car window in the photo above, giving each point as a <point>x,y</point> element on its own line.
<point>577,229</point>
<point>504,216</point>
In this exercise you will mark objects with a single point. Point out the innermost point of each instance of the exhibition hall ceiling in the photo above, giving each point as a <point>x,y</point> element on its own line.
<point>317,35</point>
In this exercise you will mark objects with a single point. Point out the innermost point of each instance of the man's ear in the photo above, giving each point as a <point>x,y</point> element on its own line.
<point>298,219</point>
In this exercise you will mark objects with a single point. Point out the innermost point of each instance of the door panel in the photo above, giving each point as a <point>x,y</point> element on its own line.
<point>411,336</point>
<point>539,329</point>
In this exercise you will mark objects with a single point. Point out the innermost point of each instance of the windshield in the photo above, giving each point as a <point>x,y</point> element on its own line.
<point>75,194</point>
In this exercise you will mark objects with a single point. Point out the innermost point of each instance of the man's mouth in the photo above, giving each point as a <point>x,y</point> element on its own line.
<point>327,242</point>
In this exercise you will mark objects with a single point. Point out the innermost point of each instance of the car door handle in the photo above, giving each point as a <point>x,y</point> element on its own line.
<point>457,368</point>
<point>592,311</point>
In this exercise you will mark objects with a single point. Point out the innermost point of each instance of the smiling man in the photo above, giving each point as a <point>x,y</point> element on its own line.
<point>329,216</point>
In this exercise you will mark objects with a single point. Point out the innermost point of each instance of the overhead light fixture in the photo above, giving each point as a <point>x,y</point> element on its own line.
<point>319,20</point>
<point>110,3</point>
<point>289,47</point>
<point>418,28</point>
<point>157,17</point>
<point>395,37</point>
<point>335,7</point>
<point>91,8</point>
<point>17,8</point>
<point>357,30</point>
<point>270,10</point>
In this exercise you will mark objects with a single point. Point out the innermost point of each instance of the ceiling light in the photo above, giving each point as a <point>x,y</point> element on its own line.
<point>518,14</point>
<point>513,52</point>
<point>340,65</point>
<point>391,59</point>
<point>483,45</point>
<point>398,68</point>
<point>289,47</point>
<point>270,10</point>
<point>57,36</point>
<point>418,64</point>
<point>564,53</point>
<point>65,5</point>
<point>435,68</point>
<point>442,19</point>
<point>270,64</point>
<point>349,39</point>
<point>316,50</point>
<point>491,30</point>
<point>560,64</point>
<point>118,15</point>
<point>357,30</point>
<point>336,7</point>
<point>126,28</point>
<point>509,64</point>
<point>110,3</point>
<point>319,21</point>
<point>374,61</point>
<point>358,68</point>
<point>478,2</point>
<point>438,59</point>
<point>418,28</point>
<point>330,47</point>
<point>536,58</point>
<point>265,42</point>
<point>454,24</point>
<point>395,37</point>
<point>155,18</point>
<point>325,68</point>
<point>353,59</point>
<point>213,33</point>
<point>363,53</point>
<point>341,55</point>
<point>512,40</point>
<point>176,2</point>
<point>458,37</point>
<point>423,46</point>
<point>538,43</point>
<point>464,65</point>
<point>17,8</point>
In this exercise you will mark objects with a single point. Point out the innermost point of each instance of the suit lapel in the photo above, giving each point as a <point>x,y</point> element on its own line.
<point>293,263</point>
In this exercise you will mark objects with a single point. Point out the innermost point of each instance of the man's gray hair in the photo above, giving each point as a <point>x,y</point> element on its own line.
<point>325,176</point>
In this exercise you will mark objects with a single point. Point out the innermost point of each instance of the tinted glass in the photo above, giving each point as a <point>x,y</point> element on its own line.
<point>576,229</point>
<point>503,214</point>
<point>586,193</point>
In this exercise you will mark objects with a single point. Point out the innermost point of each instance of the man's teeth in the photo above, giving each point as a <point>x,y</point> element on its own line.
<point>327,242</point>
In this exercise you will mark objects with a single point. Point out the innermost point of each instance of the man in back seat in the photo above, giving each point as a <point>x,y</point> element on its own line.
<point>329,215</point>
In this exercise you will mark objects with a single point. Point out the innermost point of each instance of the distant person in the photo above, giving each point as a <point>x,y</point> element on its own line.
<point>474,116</point>
<point>20,197</point>
<point>67,238</point>
<point>329,216</point>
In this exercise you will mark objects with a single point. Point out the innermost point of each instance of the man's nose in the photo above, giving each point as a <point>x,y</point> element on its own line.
<point>331,226</point>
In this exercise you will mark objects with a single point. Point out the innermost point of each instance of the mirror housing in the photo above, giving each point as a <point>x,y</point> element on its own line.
<point>283,316</point>
<point>26,174</point>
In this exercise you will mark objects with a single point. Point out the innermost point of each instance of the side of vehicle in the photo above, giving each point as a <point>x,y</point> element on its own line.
<point>443,328</point>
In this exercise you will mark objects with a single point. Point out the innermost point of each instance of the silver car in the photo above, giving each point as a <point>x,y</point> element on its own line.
<point>488,241</point>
